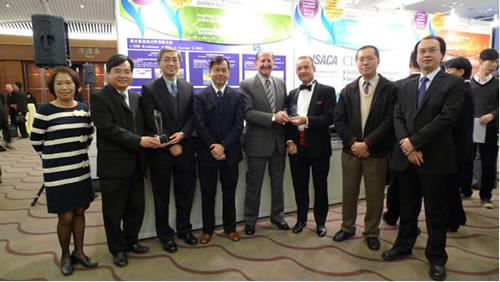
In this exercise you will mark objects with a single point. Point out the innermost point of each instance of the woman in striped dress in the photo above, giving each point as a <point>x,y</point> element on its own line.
<point>61,133</point>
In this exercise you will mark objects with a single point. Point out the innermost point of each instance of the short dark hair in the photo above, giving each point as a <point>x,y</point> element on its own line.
<point>488,54</point>
<point>413,60</point>
<point>460,63</point>
<point>117,60</point>
<point>217,60</point>
<point>442,44</point>
<point>58,70</point>
<point>260,51</point>
<point>168,49</point>
<point>366,47</point>
<point>18,84</point>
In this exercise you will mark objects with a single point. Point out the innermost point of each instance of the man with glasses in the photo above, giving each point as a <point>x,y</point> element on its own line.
<point>168,108</point>
<point>424,117</point>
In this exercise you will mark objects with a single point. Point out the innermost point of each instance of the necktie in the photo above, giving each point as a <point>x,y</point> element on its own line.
<point>366,86</point>
<point>270,95</point>
<point>308,87</point>
<point>173,91</point>
<point>219,95</point>
<point>124,97</point>
<point>421,90</point>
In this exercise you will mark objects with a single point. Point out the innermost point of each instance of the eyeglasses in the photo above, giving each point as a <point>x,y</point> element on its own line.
<point>427,50</point>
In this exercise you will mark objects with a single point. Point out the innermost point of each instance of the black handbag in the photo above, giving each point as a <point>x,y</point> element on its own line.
<point>20,119</point>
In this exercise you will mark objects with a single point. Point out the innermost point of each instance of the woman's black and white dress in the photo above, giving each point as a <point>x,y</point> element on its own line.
<point>62,136</point>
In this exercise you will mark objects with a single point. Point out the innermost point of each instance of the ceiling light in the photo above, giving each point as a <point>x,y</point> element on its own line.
<point>454,3</point>
<point>461,4</point>
<point>81,6</point>
<point>444,5</point>
<point>7,5</point>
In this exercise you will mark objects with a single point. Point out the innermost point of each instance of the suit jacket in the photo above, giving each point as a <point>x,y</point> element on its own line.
<point>378,132</point>
<point>462,132</point>
<point>262,135</point>
<point>411,76</point>
<point>119,131</point>
<point>20,98</point>
<point>218,122</point>
<point>429,127</point>
<point>320,117</point>
<point>176,112</point>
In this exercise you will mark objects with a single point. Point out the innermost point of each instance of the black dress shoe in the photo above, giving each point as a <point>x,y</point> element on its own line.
<point>281,224</point>
<point>394,254</point>
<point>388,220</point>
<point>321,230</point>
<point>120,259</point>
<point>298,227</point>
<point>188,238</point>
<point>170,246</point>
<point>87,262</point>
<point>437,272</point>
<point>249,229</point>
<point>341,236</point>
<point>373,243</point>
<point>138,248</point>
<point>66,267</point>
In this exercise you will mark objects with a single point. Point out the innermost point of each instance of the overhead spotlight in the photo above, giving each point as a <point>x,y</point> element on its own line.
<point>7,5</point>
<point>81,6</point>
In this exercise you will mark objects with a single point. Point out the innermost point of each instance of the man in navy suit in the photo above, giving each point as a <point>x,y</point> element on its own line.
<point>427,109</point>
<point>218,119</point>
<point>172,100</point>
<point>311,108</point>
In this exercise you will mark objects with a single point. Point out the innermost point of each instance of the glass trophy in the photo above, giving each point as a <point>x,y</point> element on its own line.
<point>160,135</point>
<point>292,110</point>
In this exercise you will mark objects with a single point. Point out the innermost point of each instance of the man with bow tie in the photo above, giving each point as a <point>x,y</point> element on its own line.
<point>363,120</point>
<point>311,108</point>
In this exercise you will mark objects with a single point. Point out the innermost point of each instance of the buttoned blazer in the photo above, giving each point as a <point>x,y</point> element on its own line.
<point>220,123</point>
<point>262,135</point>
<point>119,132</point>
<point>320,117</point>
<point>429,126</point>
<point>378,132</point>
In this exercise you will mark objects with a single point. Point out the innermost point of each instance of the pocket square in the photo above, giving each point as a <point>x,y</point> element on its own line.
<point>319,102</point>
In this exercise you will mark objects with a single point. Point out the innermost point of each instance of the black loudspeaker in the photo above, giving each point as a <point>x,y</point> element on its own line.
<point>50,41</point>
<point>88,73</point>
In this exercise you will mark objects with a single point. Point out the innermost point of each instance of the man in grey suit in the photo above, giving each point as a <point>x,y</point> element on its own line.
<point>264,99</point>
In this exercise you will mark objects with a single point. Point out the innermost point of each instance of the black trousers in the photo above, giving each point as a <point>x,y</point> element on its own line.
<point>122,200</point>
<point>432,187</point>
<point>22,127</point>
<point>163,165</point>
<point>392,200</point>
<point>208,184</point>
<point>301,165</point>
<point>456,213</point>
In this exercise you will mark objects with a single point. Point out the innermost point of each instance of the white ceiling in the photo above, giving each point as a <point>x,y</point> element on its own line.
<point>94,19</point>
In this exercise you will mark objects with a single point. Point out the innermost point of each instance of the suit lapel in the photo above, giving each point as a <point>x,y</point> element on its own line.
<point>314,98</point>
<point>133,100</point>
<point>279,95</point>
<point>162,91</point>
<point>434,84</point>
<point>118,98</point>
<point>212,97</point>
<point>261,92</point>
<point>226,99</point>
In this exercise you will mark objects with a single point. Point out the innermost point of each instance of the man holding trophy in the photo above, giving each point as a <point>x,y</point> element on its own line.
<point>310,108</point>
<point>168,107</point>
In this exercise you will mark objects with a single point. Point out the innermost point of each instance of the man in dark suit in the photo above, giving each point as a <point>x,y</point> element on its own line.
<point>311,108</point>
<point>171,100</point>
<point>363,120</point>
<point>264,96</point>
<point>218,119</point>
<point>464,146</point>
<point>391,216</point>
<point>117,115</point>
<point>424,117</point>
<point>16,100</point>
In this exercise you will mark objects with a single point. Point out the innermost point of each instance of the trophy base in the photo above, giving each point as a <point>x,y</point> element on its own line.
<point>162,137</point>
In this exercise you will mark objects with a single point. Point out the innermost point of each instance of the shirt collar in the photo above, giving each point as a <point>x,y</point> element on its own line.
<point>169,82</point>
<point>431,75</point>
<point>372,81</point>
<point>222,89</point>
<point>482,82</point>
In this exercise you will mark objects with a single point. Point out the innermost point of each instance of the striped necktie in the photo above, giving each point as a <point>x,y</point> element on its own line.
<point>270,95</point>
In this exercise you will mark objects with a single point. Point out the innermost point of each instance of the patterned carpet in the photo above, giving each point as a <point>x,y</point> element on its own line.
<point>29,248</point>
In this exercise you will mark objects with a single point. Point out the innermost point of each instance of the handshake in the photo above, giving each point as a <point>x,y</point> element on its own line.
<point>282,117</point>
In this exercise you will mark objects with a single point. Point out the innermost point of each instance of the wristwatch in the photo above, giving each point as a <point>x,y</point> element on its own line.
<point>273,118</point>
